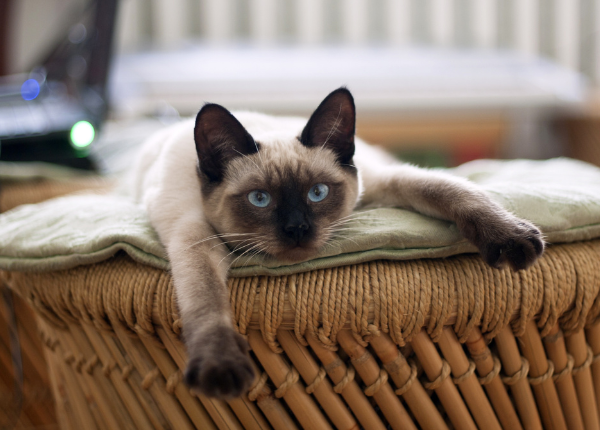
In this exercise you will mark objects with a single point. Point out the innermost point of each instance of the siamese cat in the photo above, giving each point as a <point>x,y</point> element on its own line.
<point>249,183</point>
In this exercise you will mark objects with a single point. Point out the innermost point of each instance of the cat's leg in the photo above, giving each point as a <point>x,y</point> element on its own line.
<point>500,236</point>
<point>218,361</point>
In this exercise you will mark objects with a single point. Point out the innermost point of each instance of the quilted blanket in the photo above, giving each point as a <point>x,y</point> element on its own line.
<point>561,196</point>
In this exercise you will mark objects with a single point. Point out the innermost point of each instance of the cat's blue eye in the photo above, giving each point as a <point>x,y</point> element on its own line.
<point>318,192</point>
<point>260,199</point>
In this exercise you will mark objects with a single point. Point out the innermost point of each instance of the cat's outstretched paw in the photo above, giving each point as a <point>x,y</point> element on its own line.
<point>518,244</point>
<point>220,366</point>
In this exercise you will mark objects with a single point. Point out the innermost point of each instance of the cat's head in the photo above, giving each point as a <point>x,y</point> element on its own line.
<point>284,192</point>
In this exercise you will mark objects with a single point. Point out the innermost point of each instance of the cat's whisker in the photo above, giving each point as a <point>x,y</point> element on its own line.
<point>359,218</point>
<point>361,226</point>
<point>334,240</point>
<point>345,230</point>
<point>239,247</point>
<point>351,240</point>
<point>229,241</point>
<point>235,247</point>
<point>232,252</point>
<point>340,223</point>
<point>357,229</point>
<point>357,214</point>
<point>373,222</point>
<point>331,242</point>
<point>248,250</point>
<point>249,258</point>
<point>217,236</point>
<point>336,230</point>
<point>365,213</point>
<point>342,232</point>
<point>222,243</point>
<point>254,241</point>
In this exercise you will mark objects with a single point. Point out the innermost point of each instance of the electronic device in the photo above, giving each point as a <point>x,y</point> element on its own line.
<point>53,113</point>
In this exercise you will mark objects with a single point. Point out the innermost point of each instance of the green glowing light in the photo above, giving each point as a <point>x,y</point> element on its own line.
<point>82,134</point>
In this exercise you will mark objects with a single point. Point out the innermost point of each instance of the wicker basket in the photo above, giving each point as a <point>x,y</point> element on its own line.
<point>426,343</point>
<point>37,409</point>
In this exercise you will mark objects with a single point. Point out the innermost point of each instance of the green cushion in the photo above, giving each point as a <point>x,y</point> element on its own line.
<point>561,196</point>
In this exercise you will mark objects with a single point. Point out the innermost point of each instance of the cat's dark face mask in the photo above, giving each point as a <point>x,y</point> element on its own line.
<point>283,196</point>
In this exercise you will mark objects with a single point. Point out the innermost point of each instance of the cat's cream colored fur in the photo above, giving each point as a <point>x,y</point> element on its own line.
<point>189,212</point>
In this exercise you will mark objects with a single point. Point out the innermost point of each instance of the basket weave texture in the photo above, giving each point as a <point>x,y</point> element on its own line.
<point>427,343</point>
<point>38,409</point>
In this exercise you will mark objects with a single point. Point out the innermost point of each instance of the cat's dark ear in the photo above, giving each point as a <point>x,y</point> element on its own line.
<point>219,137</point>
<point>332,125</point>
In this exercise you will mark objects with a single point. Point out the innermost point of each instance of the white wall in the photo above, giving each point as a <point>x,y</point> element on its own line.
<point>567,31</point>
<point>35,27</point>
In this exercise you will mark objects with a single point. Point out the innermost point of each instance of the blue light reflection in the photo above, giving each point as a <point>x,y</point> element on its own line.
<point>30,89</point>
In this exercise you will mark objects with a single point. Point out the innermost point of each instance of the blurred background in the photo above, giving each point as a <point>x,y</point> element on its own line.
<point>438,82</point>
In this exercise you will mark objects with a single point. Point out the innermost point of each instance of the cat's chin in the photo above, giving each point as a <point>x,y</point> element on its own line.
<point>296,255</point>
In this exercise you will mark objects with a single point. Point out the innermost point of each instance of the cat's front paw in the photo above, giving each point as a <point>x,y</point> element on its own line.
<point>519,245</point>
<point>505,240</point>
<point>219,365</point>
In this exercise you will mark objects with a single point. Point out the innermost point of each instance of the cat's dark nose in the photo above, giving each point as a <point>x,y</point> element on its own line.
<point>296,230</point>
